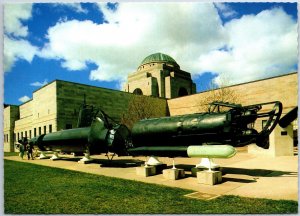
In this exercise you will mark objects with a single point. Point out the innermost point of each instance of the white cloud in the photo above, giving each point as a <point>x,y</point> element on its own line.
<point>225,10</point>
<point>245,49</point>
<point>77,7</point>
<point>13,15</point>
<point>134,31</point>
<point>24,99</point>
<point>74,6</point>
<point>39,84</point>
<point>15,45</point>
<point>259,46</point>
<point>15,50</point>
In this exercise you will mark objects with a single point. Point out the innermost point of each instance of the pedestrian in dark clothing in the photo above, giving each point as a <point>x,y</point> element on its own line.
<point>29,151</point>
<point>22,150</point>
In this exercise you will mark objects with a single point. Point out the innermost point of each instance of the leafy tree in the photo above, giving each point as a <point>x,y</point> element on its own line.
<point>143,107</point>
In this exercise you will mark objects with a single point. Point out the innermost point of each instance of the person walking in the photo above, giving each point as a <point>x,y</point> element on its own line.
<point>29,151</point>
<point>22,150</point>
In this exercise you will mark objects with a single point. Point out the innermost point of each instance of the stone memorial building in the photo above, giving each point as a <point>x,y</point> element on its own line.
<point>159,75</point>
<point>55,106</point>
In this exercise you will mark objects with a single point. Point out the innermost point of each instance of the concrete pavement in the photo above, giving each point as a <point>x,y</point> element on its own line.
<point>244,175</point>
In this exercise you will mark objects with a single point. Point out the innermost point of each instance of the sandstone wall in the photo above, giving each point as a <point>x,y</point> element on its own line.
<point>283,88</point>
<point>114,103</point>
<point>10,115</point>
<point>24,123</point>
<point>45,109</point>
<point>37,116</point>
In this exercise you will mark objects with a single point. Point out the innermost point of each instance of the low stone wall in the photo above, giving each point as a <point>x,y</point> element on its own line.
<point>283,88</point>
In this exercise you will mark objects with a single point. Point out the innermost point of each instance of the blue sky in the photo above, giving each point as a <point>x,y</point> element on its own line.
<point>100,44</point>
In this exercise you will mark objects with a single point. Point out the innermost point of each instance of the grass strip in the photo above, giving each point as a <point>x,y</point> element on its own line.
<point>6,154</point>
<point>36,189</point>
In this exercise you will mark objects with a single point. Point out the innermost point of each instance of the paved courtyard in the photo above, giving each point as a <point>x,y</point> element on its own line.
<point>244,174</point>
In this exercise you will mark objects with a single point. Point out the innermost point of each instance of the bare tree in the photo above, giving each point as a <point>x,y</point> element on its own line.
<point>142,107</point>
<point>219,92</point>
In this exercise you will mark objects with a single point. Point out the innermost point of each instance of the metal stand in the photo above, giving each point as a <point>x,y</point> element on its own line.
<point>173,164</point>
<point>86,158</point>
<point>207,163</point>
<point>42,155</point>
<point>55,156</point>
<point>111,156</point>
<point>173,173</point>
<point>153,161</point>
<point>146,164</point>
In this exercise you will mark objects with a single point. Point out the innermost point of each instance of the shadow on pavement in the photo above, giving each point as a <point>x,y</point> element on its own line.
<point>256,172</point>
<point>121,163</point>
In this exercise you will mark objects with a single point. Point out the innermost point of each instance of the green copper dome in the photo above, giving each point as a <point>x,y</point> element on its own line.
<point>159,57</point>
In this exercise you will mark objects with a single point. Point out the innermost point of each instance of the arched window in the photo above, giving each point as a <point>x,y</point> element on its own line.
<point>182,92</point>
<point>138,91</point>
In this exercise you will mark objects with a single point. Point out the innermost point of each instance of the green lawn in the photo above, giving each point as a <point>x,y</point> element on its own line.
<point>11,154</point>
<point>34,189</point>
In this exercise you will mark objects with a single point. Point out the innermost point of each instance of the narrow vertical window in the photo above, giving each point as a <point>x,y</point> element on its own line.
<point>50,128</point>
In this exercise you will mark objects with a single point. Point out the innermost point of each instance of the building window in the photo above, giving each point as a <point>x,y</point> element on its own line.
<point>44,129</point>
<point>40,130</point>
<point>34,132</point>
<point>50,128</point>
<point>21,135</point>
<point>68,126</point>
<point>30,134</point>
<point>18,136</point>
<point>25,133</point>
